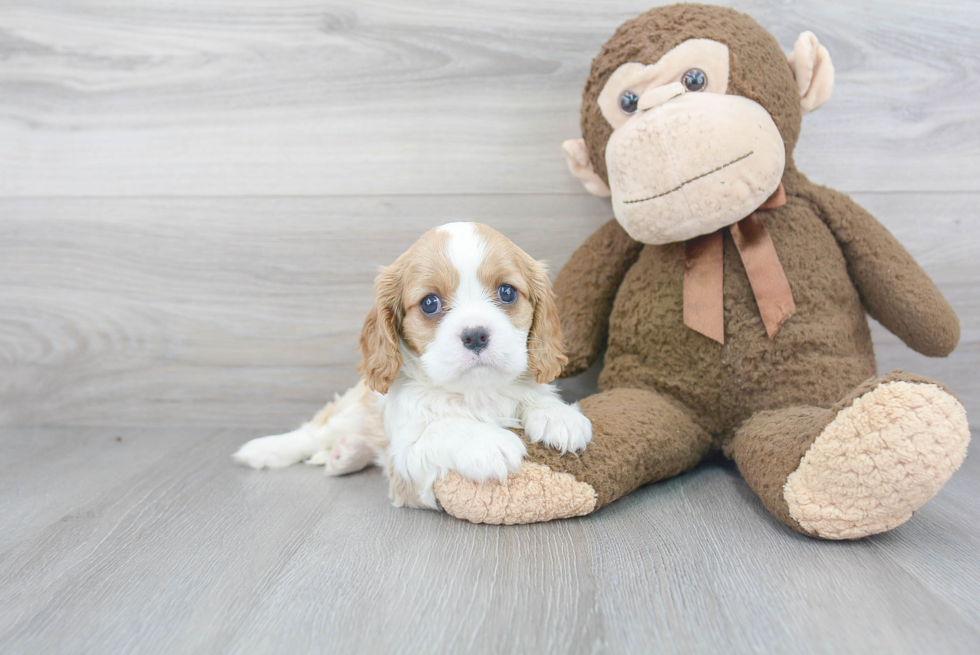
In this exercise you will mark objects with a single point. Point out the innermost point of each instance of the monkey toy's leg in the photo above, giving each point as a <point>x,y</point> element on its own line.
<point>638,437</point>
<point>859,468</point>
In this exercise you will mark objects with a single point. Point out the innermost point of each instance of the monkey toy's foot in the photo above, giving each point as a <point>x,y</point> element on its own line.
<point>879,459</point>
<point>638,437</point>
<point>535,493</point>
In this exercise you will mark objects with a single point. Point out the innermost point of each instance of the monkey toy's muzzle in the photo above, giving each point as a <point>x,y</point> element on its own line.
<point>687,164</point>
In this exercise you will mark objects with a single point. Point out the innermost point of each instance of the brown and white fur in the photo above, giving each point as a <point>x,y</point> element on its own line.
<point>430,401</point>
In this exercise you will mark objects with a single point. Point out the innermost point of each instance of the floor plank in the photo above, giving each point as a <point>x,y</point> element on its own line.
<point>220,98</point>
<point>185,552</point>
<point>78,465</point>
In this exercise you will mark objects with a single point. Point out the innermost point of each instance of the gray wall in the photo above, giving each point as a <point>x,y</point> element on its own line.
<point>194,195</point>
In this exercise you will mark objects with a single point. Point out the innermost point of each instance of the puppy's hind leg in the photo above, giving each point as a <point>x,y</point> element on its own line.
<point>355,432</point>
<point>349,455</point>
<point>278,450</point>
<point>354,413</point>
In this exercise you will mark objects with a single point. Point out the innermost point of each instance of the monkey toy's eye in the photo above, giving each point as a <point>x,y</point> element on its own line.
<point>507,294</point>
<point>431,305</point>
<point>628,102</point>
<point>695,80</point>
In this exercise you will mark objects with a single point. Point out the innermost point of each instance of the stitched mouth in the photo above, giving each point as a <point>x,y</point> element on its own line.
<point>693,179</point>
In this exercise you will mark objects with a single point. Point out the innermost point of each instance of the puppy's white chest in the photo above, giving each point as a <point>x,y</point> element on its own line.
<point>487,407</point>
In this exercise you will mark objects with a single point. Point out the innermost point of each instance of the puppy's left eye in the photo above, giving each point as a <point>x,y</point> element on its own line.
<point>507,294</point>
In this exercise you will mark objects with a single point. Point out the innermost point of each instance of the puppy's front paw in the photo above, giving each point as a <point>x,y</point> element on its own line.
<point>562,427</point>
<point>490,456</point>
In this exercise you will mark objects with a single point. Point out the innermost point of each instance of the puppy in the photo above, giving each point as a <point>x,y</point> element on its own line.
<point>461,346</point>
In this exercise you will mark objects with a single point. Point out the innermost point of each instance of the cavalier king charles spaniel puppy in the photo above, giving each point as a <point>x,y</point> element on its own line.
<point>460,347</point>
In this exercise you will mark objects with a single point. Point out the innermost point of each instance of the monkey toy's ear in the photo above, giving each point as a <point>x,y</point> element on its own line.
<point>577,156</point>
<point>813,70</point>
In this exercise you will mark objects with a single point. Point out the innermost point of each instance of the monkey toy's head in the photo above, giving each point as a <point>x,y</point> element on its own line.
<point>690,116</point>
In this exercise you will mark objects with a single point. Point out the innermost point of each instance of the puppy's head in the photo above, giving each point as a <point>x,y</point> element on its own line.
<point>474,308</point>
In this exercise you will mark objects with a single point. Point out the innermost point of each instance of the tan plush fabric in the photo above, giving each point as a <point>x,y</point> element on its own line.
<point>878,461</point>
<point>577,158</point>
<point>813,70</point>
<point>713,61</point>
<point>699,163</point>
<point>769,446</point>
<point>535,494</point>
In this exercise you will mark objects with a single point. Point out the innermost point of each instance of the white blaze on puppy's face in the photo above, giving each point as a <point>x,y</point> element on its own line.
<point>476,338</point>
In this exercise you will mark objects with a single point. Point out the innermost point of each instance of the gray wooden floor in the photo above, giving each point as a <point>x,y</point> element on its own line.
<point>147,540</point>
<point>194,197</point>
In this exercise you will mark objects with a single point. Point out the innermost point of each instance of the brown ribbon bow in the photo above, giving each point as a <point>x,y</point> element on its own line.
<point>704,309</point>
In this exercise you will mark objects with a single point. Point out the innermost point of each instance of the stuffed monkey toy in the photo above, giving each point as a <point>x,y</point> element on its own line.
<point>730,294</point>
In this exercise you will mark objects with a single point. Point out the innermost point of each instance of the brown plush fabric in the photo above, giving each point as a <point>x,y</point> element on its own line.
<point>893,287</point>
<point>758,68</point>
<point>592,278</point>
<point>835,256</point>
<point>769,446</point>
<point>639,437</point>
<point>820,352</point>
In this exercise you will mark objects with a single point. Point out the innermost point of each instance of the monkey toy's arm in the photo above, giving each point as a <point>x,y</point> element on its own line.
<point>586,288</point>
<point>893,287</point>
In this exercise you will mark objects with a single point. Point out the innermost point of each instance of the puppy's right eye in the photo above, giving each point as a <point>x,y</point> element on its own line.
<point>431,305</point>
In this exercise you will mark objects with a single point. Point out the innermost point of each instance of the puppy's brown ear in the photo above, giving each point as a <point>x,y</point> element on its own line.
<point>545,352</point>
<point>380,357</point>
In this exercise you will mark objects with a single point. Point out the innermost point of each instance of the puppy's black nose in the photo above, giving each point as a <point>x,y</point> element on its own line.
<point>475,339</point>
